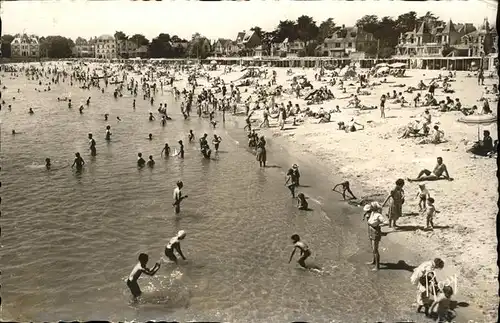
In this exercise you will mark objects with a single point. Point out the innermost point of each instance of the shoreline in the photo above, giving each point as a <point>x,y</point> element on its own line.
<point>466,246</point>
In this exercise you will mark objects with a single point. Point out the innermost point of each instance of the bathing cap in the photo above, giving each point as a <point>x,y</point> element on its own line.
<point>181,233</point>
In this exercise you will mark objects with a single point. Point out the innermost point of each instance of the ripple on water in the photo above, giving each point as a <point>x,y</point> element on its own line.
<point>70,240</point>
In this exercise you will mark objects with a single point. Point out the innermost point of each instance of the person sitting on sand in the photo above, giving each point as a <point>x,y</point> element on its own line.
<point>354,103</point>
<point>486,106</point>
<point>483,147</point>
<point>435,138</point>
<point>439,172</point>
<point>326,118</point>
<point>413,129</point>
<point>302,202</point>
<point>345,188</point>
<point>351,126</point>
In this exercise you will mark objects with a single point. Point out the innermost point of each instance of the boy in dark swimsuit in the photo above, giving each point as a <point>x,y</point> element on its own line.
<point>140,268</point>
<point>304,250</point>
<point>140,161</point>
<point>175,244</point>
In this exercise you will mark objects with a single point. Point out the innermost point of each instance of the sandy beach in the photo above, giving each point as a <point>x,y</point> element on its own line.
<point>372,159</point>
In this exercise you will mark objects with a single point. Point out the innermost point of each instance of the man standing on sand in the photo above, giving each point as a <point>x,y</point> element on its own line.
<point>178,197</point>
<point>439,172</point>
<point>373,212</point>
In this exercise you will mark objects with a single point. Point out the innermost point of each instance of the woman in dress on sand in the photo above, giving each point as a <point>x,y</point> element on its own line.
<point>261,152</point>
<point>397,197</point>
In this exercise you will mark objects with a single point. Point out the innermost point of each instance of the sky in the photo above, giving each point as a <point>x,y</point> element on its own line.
<point>212,19</point>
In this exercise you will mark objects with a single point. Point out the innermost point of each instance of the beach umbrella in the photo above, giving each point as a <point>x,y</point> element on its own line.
<point>398,65</point>
<point>381,65</point>
<point>479,119</point>
<point>213,62</point>
<point>383,69</point>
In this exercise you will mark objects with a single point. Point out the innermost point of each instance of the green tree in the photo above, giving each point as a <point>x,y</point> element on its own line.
<point>326,30</point>
<point>307,29</point>
<point>5,46</point>
<point>368,23</point>
<point>161,47</point>
<point>59,47</point>
<point>140,40</point>
<point>120,35</point>
<point>488,42</point>
<point>286,29</point>
<point>199,47</point>
<point>407,22</point>
<point>7,38</point>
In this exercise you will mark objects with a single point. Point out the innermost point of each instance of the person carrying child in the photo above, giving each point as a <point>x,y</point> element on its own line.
<point>423,276</point>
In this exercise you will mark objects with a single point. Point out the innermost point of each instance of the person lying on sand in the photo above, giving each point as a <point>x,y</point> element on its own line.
<point>440,172</point>
<point>469,111</point>
<point>351,126</point>
<point>435,138</point>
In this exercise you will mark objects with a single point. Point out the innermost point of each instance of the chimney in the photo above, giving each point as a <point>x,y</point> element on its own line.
<point>343,26</point>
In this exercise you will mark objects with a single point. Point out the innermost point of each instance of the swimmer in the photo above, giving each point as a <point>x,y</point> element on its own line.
<point>151,117</point>
<point>150,136</point>
<point>79,162</point>
<point>165,149</point>
<point>302,202</point>
<point>140,161</point>
<point>47,163</point>
<point>181,150</point>
<point>106,115</point>
<point>191,136</point>
<point>118,118</point>
<point>175,244</point>
<point>108,133</point>
<point>69,104</point>
<point>81,109</point>
<point>137,272</point>
<point>93,150</point>
<point>31,111</point>
<point>88,101</point>
<point>304,250</point>
<point>151,162</point>
<point>133,104</point>
<point>178,197</point>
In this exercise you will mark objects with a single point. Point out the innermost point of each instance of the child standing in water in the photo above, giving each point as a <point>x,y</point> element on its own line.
<point>93,150</point>
<point>140,161</point>
<point>178,197</point>
<point>166,149</point>
<point>137,272</point>
<point>108,133</point>
<point>151,162</point>
<point>304,250</point>
<point>216,141</point>
<point>181,150</point>
<point>79,162</point>
<point>291,182</point>
<point>191,136</point>
<point>47,163</point>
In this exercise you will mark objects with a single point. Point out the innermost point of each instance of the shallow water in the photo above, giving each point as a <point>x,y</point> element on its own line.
<point>70,240</point>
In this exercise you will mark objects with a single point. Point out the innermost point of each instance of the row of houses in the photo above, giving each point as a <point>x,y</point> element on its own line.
<point>460,39</point>
<point>428,40</point>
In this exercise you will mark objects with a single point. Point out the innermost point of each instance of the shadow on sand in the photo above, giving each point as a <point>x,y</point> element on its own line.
<point>400,265</point>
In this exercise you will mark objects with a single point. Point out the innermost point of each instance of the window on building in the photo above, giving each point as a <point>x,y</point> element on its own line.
<point>337,45</point>
<point>349,44</point>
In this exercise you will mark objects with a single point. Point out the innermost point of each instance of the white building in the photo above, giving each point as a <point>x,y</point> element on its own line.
<point>25,46</point>
<point>105,47</point>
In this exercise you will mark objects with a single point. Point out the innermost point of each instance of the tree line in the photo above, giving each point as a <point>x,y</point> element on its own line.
<point>386,31</point>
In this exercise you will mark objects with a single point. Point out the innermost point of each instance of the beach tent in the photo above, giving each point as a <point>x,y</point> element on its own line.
<point>383,69</point>
<point>479,119</point>
<point>398,65</point>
